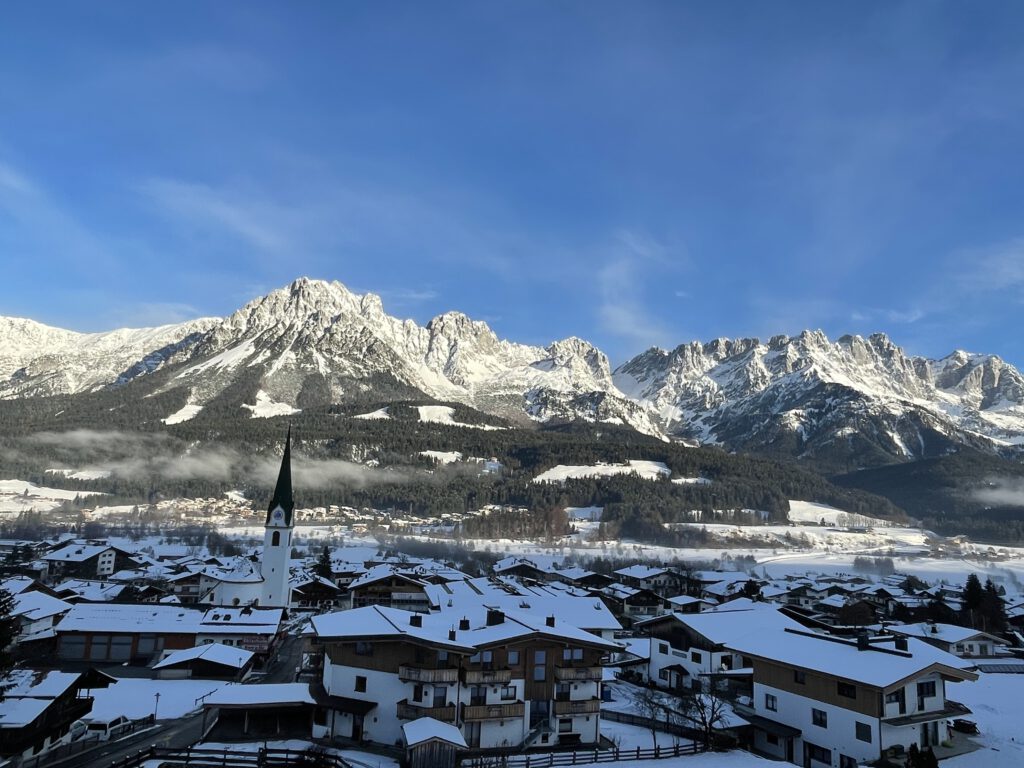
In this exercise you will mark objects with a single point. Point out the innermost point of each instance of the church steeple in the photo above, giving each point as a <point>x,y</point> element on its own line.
<point>282,505</point>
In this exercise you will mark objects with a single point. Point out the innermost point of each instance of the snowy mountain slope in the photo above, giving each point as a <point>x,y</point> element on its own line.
<point>36,359</point>
<point>813,396</point>
<point>854,400</point>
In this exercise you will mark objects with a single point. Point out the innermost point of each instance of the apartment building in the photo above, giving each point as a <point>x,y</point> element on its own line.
<point>820,700</point>
<point>506,680</point>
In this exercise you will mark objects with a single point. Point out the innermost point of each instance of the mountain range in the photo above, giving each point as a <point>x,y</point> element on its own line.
<point>853,401</point>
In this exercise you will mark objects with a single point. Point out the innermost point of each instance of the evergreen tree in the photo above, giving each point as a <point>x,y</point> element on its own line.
<point>8,631</point>
<point>973,595</point>
<point>993,612</point>
<point>323,564</point>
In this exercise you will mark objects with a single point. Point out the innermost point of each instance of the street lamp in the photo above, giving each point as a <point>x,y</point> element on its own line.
<point>157,705</point>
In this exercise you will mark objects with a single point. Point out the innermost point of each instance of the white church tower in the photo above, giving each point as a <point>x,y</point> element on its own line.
<point>277,540</point>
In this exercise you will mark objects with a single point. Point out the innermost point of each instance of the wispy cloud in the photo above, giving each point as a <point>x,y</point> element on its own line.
<point>623,309</point>
<point>1001,492</point>
<point>996,269</point>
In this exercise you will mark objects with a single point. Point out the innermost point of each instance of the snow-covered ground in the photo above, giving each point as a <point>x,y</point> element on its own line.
<point>811,512</point>
<point>267,408</point>
<point>21,496</point>
<point>443,457</point>
<point>81,474</point>
<point>649,470</point>
<point>380,413</point>
<point>135,698</point>
<point>186,412</point>
<point>443,414</point>
<point>995,701</point>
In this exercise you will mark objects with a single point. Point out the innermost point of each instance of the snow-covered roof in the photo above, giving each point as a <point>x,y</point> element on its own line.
<point>215,653</point>
<point>76,553</point>
<point>377,621</point>
<point>842,658</point>
<point>267,694</point>
<point>38,605</point>
<point>103,617</point>
<point>946,633</point>
<point>381,572</point>
<point>641,572</point>
<point>427,728</point>
<point>732,622</point>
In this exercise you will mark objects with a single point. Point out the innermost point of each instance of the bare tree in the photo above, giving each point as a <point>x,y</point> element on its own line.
<point>705,710</point>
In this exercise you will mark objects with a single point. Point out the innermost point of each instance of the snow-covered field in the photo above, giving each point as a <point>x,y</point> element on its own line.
<point>811,512</point>
<point>81,474</point>
<point>649,470</point>
<point>20,496</point>
<point>267,408</point>
<point>443,414</point>
<point>380,413</point>
<point>135,698</point>
<point>443,457</point>
<point>186,412</point>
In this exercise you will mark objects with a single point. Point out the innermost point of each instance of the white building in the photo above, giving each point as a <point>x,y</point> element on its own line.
<point>277,539</point>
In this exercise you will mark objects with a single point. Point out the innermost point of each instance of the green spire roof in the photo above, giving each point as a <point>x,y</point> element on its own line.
<point>283,490</point>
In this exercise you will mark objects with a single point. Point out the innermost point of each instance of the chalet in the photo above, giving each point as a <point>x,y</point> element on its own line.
<point>521,568</point>
<point>385,585</point>
<point>86,560</point>
<point>632,603</point>
<point>37,613</point>
<point>959,641</point>
<point>505,680</point>
<point>38,710</point>
<point>316,593</point>
<point>580,577</point>
<point>212,661</point>
<point>660,580</point>
<point>688,649</point>
<point>822,701</point>
<point>140,633</point>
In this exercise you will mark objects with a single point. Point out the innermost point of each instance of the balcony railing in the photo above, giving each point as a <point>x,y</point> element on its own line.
<point>407,711</point>
<point>422,675</point>
<point>487,675</point>
<point>493,711</point>
<point>585,707</point>
<point>578,673</point>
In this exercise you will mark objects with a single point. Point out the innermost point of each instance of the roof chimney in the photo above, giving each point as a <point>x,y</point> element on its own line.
<point>451,635</point>
<point>416,620</point>
<point>901,644</point>
<point>862,642</point>
<point>494,617</point>
<point>464,624</point>
<point>551,621</point>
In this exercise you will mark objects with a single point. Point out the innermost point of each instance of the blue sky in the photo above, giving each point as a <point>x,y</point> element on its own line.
<point>633,173</point>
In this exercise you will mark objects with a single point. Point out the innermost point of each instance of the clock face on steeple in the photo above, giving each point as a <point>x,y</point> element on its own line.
<point>277,516</point>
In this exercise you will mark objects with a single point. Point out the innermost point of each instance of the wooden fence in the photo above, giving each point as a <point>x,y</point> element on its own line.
<point>578,757</point>
<point>193,757</point>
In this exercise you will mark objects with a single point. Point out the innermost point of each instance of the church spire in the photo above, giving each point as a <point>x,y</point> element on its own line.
<point>282,498</point>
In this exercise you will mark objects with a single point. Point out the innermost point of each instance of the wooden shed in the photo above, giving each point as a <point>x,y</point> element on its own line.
<point>429,743</point>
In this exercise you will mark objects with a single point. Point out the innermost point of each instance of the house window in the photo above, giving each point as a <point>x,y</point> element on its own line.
<point>894,698</point>
<point>847,690</point>
<point>539,673</point>
<point>771,703</point>
<point>577,654</point>
<point>663,674</point>
<point>275,540</point>
<point>508,693</point>
<point>799,676</point>
<point>818,754</point>
<point>819,717</point>
<point>513,658</point>
<point>926,690</point>
<point>772,739</point>
<point>845,761</point>
<point>440,696</point>
<point>360,684</point>
<point>565,726</point>
<point>663,648</point>
<point>488,658</point>
<point>864,732</point>
<point>695,657</point>
<point>540,657</point>
<point>364,648</point>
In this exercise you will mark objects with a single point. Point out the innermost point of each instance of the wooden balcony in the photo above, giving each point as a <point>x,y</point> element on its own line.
<point>478,676</point>
<point>585,707</point>
<point>493,711</point>
<point>578,673</point>
<point>407,711</point>
<point>422,675</point>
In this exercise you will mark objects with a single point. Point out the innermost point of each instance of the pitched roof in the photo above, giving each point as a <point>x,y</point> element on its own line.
<point>427,728</point>
<point>283,490</point>
<point>215,653</point>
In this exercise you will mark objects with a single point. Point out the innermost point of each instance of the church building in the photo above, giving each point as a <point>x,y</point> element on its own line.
<point>277,538</point>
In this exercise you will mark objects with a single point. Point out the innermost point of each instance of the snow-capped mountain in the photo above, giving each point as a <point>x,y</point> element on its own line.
<point>36,359</point>
<point>812,396</point>
<point>314,342</point>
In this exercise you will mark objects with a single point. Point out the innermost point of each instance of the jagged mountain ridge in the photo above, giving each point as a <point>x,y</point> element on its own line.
<point>853,395</point>
<point>804,396</point>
